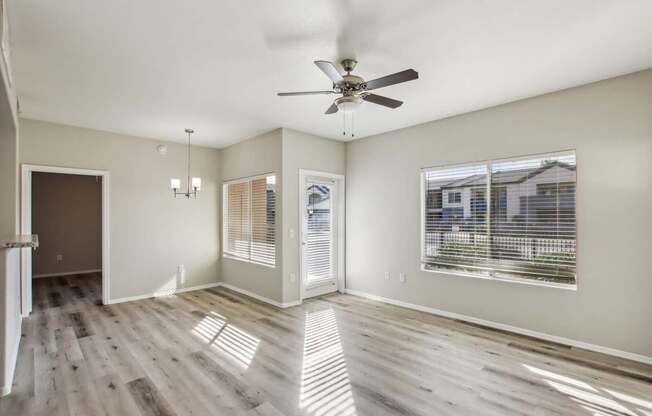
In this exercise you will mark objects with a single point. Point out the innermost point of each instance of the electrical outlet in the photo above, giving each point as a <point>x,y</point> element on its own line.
<point>401,277</point>
<point>181,273</point>
<point>59,257</point>
<point>386,275</point>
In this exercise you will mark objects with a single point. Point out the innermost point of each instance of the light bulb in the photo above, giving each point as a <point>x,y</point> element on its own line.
<point>196,184</point>
<point>175,183</point>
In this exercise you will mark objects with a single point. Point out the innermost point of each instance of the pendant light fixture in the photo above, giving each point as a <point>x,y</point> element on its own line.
<point>194,184</point>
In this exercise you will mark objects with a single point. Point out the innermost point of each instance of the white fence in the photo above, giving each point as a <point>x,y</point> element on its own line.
<point>528,248</point>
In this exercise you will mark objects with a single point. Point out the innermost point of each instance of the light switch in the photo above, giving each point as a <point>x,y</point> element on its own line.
<point>291,232</point>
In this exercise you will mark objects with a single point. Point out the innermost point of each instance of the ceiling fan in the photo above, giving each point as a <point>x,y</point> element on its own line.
<point>355,89</point>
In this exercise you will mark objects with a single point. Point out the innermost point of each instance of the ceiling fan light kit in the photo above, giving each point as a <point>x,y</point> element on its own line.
<point>348,104</point>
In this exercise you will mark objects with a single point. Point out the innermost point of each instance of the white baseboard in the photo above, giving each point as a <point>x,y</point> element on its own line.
<point>6,389</point>
<point>291,304</point>
<point>546,337</point>
<point>259,297</point>
<point>38,276</point>
<point>206,286</point>
<point>163,293</point>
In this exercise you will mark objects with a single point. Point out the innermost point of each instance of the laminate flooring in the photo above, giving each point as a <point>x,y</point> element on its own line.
<point>217,352</point>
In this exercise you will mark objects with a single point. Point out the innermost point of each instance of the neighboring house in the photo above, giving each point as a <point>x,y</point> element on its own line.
<point>540,194</point>
<point>318,198</point>
<point>318,204</point>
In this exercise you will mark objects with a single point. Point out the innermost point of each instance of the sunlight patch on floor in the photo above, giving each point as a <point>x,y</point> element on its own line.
<point>225,337</point>
<point>325,385</point>
<point>558,377</point>
<point>596,400</point>
<point>646,404</point>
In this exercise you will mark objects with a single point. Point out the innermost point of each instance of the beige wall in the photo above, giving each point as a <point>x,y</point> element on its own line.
<point>302,151</point>
<point>151,233</point>
<point>283,152</point>
<point>610,126</point>
<point>67,217</point>
<point>256,156</point>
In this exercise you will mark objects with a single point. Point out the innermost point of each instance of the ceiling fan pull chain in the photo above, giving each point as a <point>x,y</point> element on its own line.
<point>343,123</point>
<point>352,125</point>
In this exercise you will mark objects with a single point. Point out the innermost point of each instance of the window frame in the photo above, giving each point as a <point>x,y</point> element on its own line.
<point>489,276</point>
<point>230,256</point>
<point>456,197</point>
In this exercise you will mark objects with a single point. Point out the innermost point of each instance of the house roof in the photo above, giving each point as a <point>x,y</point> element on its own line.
<point>322,201</point>
<point>506,177</point>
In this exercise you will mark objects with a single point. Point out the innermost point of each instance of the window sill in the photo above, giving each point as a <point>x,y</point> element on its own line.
<point>240,259</point>
<point>562,286</point>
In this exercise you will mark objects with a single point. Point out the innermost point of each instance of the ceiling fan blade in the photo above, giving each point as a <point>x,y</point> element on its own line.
<point>285,94</point>
<point>397,78</point>
<point>330,70</point>
<point>332,109</point>
<point>380,100</point>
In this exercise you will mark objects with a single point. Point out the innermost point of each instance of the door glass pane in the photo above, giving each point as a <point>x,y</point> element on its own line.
<point>319,224</point>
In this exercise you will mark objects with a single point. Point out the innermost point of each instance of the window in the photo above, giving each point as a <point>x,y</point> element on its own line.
<point>525,230</point>
<point>454,197</point>
<point>249,223</point>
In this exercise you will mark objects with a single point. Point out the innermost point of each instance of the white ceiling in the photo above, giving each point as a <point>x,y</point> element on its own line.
<point>151,68</point>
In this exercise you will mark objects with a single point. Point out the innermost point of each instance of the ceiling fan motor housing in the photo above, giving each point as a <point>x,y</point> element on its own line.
<point>351,84</point>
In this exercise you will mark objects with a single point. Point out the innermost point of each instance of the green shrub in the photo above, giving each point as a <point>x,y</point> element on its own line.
<point>463,249</point>
<point>555,257</point>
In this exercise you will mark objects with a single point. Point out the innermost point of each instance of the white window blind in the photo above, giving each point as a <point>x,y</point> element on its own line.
<point>249,219</point>
<point>512,219</point>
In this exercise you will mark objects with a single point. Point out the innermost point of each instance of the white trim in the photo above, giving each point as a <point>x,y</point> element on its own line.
<point>523,281</point>
<point>25,253</point>
<point>340,182</point>
<point>546,337</point>
<point>206,286</point>
<point>63,169</point>
<point>488,164</point>
<point>248,178</point>
<point>38,276</point>
<point>259,297</point>
<point>498,159</point>
<point>163,293</point>
<point>26,227</point>
<point>7,388</point>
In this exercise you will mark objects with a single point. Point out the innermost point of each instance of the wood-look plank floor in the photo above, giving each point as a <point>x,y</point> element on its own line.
<point>216,352</point>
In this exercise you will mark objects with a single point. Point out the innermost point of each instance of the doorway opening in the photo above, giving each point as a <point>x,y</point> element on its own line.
<point>321,213</point>
<point>68,210</point>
